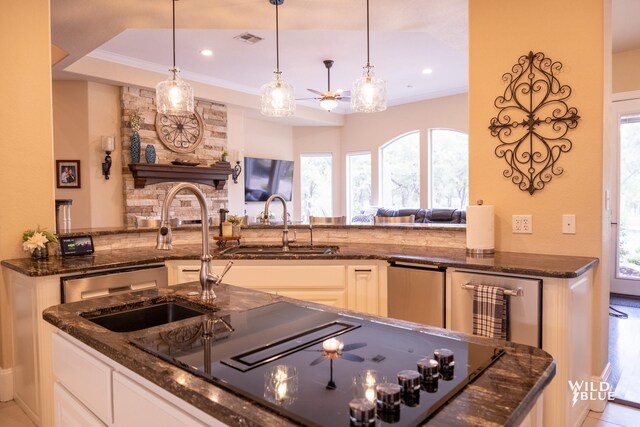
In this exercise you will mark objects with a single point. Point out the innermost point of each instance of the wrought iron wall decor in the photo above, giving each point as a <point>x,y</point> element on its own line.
<point>533,121</point>
<point>182,134</point>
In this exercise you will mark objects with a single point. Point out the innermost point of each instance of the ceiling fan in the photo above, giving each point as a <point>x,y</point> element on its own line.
<point>329,98</point>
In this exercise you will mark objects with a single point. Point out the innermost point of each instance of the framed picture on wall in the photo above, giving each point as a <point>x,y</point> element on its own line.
<point>68,173</point>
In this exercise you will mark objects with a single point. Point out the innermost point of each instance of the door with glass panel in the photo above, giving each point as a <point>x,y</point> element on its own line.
<point>626,226</point>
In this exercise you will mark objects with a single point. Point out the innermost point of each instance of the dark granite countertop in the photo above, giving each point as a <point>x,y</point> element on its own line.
<point>502,395</point>
<point>559,266</point>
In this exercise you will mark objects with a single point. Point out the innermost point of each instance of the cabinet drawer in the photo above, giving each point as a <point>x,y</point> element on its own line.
<point>69,412</point>
<point>135,406</point>
<point>86,377</point>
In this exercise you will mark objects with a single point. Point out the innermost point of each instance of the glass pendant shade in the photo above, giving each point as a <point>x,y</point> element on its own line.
<point>328,104</point>
<point>368,93</point>
<point>174,96</point>
<point>277,97</point>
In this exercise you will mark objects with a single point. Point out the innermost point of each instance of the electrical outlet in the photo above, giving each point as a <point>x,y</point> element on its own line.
<point>521,224</point>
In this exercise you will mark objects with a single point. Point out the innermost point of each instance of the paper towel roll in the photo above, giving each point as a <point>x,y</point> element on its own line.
<point>480,234</point>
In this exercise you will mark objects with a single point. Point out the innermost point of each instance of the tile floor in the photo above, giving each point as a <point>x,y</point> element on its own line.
<point>12,416</point>
<point>614,415</point>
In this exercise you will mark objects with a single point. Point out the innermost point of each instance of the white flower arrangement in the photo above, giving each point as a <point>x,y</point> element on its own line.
<point>34,239</point>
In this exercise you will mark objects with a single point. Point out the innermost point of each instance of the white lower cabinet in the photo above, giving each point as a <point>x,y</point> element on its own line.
<point>135,406</point>
<point>70,412</point>
<point>92,390</point>
<point>357,286</point>
<point>363,290</point>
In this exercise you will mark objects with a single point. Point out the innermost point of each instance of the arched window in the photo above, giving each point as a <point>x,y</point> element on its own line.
<point>448,169</point>
<point>400,172</point>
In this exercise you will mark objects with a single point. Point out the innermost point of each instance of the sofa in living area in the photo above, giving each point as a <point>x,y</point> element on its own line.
<point>437,215</point>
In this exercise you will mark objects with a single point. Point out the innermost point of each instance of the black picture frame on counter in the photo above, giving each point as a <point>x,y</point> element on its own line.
<point>68,173</point>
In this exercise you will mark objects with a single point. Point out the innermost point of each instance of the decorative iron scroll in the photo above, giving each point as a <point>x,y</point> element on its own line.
<point>181,134</point>
<point>532,122</point>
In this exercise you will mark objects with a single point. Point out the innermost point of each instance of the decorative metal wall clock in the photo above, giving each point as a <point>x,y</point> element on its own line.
<point>181,134</point>
<point>533,121</point>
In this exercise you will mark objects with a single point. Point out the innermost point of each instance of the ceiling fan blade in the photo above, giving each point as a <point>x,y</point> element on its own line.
<point>343,98</point>
<point>316,361</point>
<point>354,346</point>
<point>352,357</point>
<point>305,99</point>
<point>345,93</point>
<point>314,91</point>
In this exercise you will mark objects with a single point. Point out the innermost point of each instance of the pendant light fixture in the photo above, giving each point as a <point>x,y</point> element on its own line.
<point>369,93</point>
<point>277,98</point>
<point>174,96</point>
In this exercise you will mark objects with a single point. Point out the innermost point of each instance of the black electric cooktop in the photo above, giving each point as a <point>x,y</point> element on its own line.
<point>274,355</point>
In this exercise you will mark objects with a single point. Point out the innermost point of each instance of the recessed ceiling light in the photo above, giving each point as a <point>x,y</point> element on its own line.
<point>427,71</point>
<point>206,52</point>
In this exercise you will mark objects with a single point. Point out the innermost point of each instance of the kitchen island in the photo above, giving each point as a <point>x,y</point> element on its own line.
<point>502,395</point>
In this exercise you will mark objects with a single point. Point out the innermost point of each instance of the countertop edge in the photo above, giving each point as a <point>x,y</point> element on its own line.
<point>34,268</point>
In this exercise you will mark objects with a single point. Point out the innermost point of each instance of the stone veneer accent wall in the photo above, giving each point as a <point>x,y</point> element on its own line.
<point>147,202</point>
<point>265,236</point>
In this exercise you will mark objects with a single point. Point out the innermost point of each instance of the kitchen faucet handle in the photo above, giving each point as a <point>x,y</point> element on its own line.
<point>217,278</point>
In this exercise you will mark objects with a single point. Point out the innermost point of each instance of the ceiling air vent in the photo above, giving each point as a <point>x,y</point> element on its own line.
<point>248,38</point>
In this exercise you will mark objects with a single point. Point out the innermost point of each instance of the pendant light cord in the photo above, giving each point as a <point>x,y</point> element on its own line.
<point>368,61</point>
<point>278,40</point>
<point>173,2</point>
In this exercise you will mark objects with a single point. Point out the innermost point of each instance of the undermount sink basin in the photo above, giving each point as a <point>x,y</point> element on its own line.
<point>277,250</point>
<point>135,319</point>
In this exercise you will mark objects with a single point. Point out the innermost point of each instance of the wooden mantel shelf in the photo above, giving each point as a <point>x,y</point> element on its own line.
<point>146,174</point>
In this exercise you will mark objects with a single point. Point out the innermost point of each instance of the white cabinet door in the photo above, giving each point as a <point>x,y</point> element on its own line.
<point>69,412</point>
<point>86,377</point>
<point>363,292</point>
<point>135,406</point>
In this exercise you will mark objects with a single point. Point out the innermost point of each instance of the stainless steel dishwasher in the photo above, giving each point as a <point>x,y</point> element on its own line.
<point>416,293</point>
<point>92,285</point>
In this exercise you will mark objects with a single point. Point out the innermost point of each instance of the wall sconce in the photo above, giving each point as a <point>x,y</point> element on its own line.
<point>237,169</point>
<point>108,145</point>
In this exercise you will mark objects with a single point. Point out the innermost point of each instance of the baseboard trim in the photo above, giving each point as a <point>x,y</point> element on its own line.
<point>6,385</point>
<point>599,405</point>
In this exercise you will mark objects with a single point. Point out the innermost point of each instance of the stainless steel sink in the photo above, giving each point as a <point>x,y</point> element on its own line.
<point>141,317</point>
<point>277,250</point>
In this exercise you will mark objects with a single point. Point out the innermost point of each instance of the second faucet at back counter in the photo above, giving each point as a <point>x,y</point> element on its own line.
<point>285,232</point>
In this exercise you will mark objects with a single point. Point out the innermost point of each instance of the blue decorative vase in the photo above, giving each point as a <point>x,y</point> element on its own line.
<point>150,154</point>
<point>135,147</point>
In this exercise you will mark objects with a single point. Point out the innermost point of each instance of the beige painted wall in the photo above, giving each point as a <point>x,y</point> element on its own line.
<point>70,135</point>
<point>560,35</point>
<point>316,140</point>
<point>107,200</point>
<point>26,147</point>
<point>368,132</point>
<point>626,71</point>
<point>83,112</point>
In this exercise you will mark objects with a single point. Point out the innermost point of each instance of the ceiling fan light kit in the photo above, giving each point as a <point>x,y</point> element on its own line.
<point>277,98</point>
<point>174,96</point>
<point>369,93</point>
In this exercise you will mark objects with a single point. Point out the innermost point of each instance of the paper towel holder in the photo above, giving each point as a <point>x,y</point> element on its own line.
<point>477,252</point>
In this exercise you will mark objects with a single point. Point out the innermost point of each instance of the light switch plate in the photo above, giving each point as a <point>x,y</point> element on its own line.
<point>568,224</point>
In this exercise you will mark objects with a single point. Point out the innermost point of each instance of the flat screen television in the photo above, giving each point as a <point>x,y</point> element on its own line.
<point>264,177</point>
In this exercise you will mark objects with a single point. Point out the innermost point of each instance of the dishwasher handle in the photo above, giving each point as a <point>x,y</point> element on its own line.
<point>510,292</point>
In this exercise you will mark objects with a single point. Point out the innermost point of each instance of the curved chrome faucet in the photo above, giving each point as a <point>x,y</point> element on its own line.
<point>165,238</point>
<point>285,232</point>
